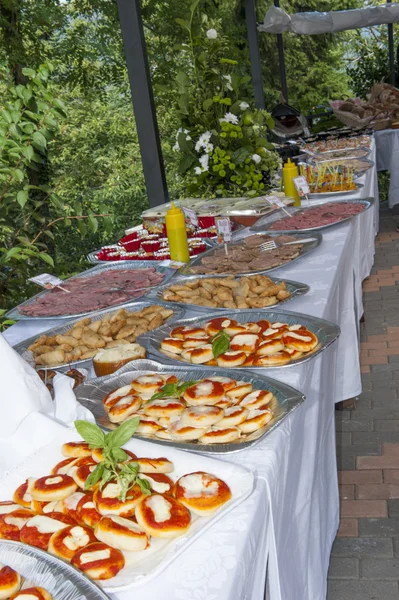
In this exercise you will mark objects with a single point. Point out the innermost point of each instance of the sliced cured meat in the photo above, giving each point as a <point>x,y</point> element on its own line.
<point>326,214</point>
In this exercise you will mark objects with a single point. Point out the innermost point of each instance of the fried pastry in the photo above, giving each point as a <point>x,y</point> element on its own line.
<point>54,487</point>
<point>10,582</point>
<point>163,516</point>
<point>121,533</point>
<point>99,561</point>
<point>202,492</point>
<point>67,541</point>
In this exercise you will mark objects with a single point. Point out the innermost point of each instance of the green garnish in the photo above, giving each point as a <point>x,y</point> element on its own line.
<point>113,467</point>
<point>220,343</point>
<point>172,390</point>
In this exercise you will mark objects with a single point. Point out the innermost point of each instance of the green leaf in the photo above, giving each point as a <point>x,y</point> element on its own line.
<point>220,343</point>
<point>29,72</point>
<point>120,436</point>
<point>119,455</point>
<point>18,174</point>
<point>46,258</point>
<point>184,104</point>
<point>28,152</point>
<point>144,485</point>
<point>183,23</point>
<point>94,476</point>
<point>207,103</point>
<point>91,433</point>
<point>93,223</point>
<point>194,5</point>
<point>6,115</point>
<point>22,198</point>
<point>82,227</point>
<point>13,253</point>
<point>39,141</point>
<point>186,163</point>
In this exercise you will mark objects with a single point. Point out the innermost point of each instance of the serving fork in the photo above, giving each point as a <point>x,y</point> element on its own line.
<point>272,244</point>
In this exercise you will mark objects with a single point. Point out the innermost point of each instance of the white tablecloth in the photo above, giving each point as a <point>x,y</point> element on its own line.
<point>291,519</point>
<point>387,142</point>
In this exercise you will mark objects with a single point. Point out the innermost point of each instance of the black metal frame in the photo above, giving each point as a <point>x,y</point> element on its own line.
<point>256,67</point>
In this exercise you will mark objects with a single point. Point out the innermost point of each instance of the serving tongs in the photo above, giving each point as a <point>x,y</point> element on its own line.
<point>273,246</point>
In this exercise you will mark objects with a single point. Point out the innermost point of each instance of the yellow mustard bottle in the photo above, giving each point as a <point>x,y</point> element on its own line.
<point>177,234</point>
<point>290,171</point>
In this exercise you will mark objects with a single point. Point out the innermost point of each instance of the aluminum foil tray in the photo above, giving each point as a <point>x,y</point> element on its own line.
<point>326,332</point>
<point>264,224</point>
<point>327,195</point>
<point>16,315</point>
<point>56,576</point>
<point>187,269</point>
<point>91,393</point>
<point>22,347</point>
<point>294,287</point>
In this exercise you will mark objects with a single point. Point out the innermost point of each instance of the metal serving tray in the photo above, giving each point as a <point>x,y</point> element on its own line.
<point>56,576</point>
<point>327,195</point>
<point>294,287</point>
<point>263,225</point>
<point>91,394</point>
<point>361,151</point>
<point>16,315</point>
<point>186,270</point>
<point>22,347</point>
<point>325,331</point>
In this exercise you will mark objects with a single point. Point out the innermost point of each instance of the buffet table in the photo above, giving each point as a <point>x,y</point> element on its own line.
<point>291,519</point>
<point>387,142</point>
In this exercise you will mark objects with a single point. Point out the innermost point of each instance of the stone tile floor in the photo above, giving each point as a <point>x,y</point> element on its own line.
<point>365,556</point>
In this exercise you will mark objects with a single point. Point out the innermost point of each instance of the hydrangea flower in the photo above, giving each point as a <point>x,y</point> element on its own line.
<point>212,34</point>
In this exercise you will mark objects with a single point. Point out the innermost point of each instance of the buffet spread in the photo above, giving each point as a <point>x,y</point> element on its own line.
<point>110,504</point>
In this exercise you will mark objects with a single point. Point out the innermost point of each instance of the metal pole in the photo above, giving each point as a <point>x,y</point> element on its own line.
<point>281,60</point>
<point>143,100</point>
<point>391,52</point>
<point>256,68</point>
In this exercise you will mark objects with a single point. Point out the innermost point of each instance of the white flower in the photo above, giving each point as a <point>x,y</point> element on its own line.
<point>244,105</point>
<point>211,34</point>
<point>204,162</point>
<point>176,147</point>
<point>228,80</point>
<point>208,148</point>
<point>198,170</point>
<point>203,141</point>
<point>229,118</point>
<point>256,158</point>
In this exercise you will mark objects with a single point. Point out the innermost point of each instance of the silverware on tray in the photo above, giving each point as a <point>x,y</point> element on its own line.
<point>91,394</point>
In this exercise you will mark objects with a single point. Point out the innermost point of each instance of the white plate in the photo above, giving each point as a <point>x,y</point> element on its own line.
<point>143,566</point>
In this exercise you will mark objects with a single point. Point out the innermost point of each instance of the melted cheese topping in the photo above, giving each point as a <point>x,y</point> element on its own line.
<point>204,389</point>
<point>53,480</point>
<point>88,557</point>
<point>221,379</point>
<point>194,486</point>
<point>27,496</point>
<point>122,391</point>
<point>64,470</point>
<point>124,400</point>
<point>225,323</point>
<point>7,508</point>
<point>16,521</point>
<point>149,379</point>
<point>112,490</point>
<point>72,501</point>
<point>26,596</point>
<point>255,412</point>
<point>45,524</point>
<point>245,339</point>
<point>89,505</point>
<point>232,410</point>
<point>295,327</point>
<point>126,523</point>
<point>303,338</point>
<point>51,506</point>
<point>160,507</point>
<point>158,486</point>
<point>277,325</point>
<point>77,538</point>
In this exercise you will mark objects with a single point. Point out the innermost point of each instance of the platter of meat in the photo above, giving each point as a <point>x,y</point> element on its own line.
<point>349,143</point>
<point>93,290</point>
<point>55,348</point>
<point>244,257</point>
<point>241,339</point>
<point>230,425</point>
<point>313,218</point>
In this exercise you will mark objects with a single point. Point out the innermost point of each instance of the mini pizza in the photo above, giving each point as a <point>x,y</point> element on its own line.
<point>67,541</point>
<point>80,475</point>
<point>8,506</point>
<point>184,433</point>
<point>45,508</point>
<point>301,340</point>
<point>124,408</point>
<point>202,416</point>
<point>69,505</point>
<point>215,325</point>
<point>256,399</point>
<point>201,355</point>
<point>99,561</point>
<point>245,342</point>
<point>275,331</point>
<point>63,466</point>
<point>256,420</point>
<point>269,347</point>
<point>38,530</point>
<point>113,397</point>
<point>242,388</point>
<point>148,426</point>
<point>97,455</point>
<point>155,465</point>
<point>121,533</point>
<point>188,332</point>
<point>205,392</point>
<point>159,482</point>
<point>22,494</point>
<point>226,382</point>
<point>173,345</point>
<point>10,582</point>
<point>76,449</point>
<point>201,492</point>
<point>32,593</point>
<point>273,360</point>
<point>167,407</point>
<point>54,487</point>
<point>194,342</point>
<point>12,523</point>
<point>86,511</point>
<point>147,385</point>
<point>163,516</point>
<point>220,435</point>
<point>108,503</point>
<point>233,416</point>
<point>232,358</point>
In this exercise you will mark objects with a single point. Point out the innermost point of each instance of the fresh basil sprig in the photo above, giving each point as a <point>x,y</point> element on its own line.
<point>113,467</point>
<point>220,343</point>
<point>173,390</point>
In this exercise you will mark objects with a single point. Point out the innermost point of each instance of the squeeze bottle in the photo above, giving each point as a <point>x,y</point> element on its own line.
<point>290,171</point>
<point>177,234</point>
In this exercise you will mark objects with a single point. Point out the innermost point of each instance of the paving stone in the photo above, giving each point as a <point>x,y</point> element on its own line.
<point>387,527</point>
<point>363,508</point>
<point>343,568</point>
<point>347,455</point>
<point>395,546</point>
<point>393,509</point>
<point>391,476</point>
<point>348,528</point>
<point>372,437</point>
<point>377,491</point>
<point>343,438</point>
<point>360,477</point>
<point>363,547</point>
<point>355,424</point>
<point>386,425</point>
<point>375,568</point>
<point>382,371</point>
<point>362,590</point>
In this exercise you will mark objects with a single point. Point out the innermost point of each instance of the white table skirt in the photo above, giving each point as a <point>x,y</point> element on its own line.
<point>387,142</point>
<point>291,519</point>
